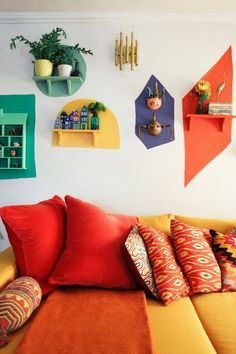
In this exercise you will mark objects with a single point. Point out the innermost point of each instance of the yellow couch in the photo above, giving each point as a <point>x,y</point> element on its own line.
<point>202,324</point>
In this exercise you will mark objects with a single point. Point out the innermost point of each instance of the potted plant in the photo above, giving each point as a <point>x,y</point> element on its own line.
<point>94,108</point>
<point>43,51</point>
<point>66,56</point>
<point>49,50</point>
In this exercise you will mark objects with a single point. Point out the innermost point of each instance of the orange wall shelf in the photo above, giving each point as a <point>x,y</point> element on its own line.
<point>207,135</point>
<point>193,119</point>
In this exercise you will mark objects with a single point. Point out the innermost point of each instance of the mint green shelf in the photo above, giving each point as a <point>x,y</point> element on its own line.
<point>10,123</point>
<point>56,86</point>
<point>59,86</point>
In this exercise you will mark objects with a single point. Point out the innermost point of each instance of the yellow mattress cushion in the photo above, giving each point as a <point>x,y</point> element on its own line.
<point>176,328</point>
<point>8,269</point>
<point>217,314</point>
<point>216,224</point>
<point>160,222</point>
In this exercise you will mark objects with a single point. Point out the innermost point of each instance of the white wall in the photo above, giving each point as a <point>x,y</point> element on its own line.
<point>131,180</point>
<point>117,5</point>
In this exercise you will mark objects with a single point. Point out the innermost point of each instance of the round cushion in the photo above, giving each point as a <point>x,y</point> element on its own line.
<point>17,302</point>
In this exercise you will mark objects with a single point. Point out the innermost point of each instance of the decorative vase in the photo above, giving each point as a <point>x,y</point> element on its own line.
<point>77,71</point>
<point>64,69</point>
<point>94,122</point>
<point>43,67</point>
<point>200,106</point>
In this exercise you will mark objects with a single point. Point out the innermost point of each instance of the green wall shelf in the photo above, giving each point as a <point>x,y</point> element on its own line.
<point>56,86</point>
<point>59,86</point>
<point>12,140</point>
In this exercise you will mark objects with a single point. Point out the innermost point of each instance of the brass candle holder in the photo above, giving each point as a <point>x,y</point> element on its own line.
<point>125,53</point>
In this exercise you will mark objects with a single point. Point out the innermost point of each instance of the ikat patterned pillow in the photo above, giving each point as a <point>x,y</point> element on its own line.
<point>194,252</point>
<point>170,281</point>
<point>224,247</point>
<point>139,263</point>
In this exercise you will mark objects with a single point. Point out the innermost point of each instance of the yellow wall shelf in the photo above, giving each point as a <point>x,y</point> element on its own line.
<point>65,134</point>
<point>107,137</point>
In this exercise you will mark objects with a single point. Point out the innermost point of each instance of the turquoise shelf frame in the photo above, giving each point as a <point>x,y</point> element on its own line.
<point>60,86</point>
<point>8,122</point>
<point>56,86</point>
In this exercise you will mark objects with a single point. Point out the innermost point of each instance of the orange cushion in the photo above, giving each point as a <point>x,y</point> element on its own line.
<point>192,246</point>
<point>170,282</point>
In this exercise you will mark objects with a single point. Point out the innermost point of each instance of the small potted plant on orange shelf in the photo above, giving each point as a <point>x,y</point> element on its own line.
<point>203,91</point>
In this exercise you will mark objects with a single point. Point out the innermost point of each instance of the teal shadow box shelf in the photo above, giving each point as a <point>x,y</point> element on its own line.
<point>12,141</point>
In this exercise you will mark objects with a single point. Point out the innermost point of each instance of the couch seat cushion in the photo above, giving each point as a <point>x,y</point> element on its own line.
<point>8,269</point>
<point>176,328</point>
<point>217,314</point>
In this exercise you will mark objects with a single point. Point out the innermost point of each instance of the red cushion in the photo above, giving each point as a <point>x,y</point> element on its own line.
<point>170,281</point>
<point>194,252</point>
<point>37,235</point>
<point>94,254</point>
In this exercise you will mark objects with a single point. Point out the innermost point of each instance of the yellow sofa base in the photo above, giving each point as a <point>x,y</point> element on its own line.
<point>202,324</point>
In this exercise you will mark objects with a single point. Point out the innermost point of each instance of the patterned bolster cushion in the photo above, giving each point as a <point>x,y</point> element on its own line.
<point>17,302</point>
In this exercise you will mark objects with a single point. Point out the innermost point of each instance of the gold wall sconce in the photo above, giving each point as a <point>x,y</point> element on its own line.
<point>126,53</point>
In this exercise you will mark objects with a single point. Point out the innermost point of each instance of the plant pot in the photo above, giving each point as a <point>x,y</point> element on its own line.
<point>64,69</point>
<point>43,67</point>
<point>94,122</point>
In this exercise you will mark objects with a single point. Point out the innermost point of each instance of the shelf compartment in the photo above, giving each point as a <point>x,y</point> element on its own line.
<point>15,162</point>
<point>56,86</point>
<point>88,140</point>
<point>16,139</point>
<point>3,163</point>
<point>7,151</point>
<point>13,129</point>
<point>221,118</point>
<point>4,141</point>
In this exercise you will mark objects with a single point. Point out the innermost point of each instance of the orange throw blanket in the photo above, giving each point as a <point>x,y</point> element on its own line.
<point>93,321</point>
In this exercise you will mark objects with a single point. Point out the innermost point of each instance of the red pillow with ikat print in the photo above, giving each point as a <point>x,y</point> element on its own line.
<point>170,281</point>
<point>193,248</point>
